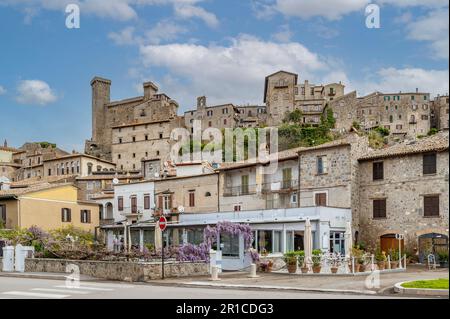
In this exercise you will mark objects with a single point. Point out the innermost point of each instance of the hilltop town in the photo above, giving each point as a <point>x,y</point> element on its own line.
<point>125,175</point>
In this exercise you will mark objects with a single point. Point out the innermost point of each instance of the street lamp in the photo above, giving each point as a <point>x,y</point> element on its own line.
<point>400,237</point>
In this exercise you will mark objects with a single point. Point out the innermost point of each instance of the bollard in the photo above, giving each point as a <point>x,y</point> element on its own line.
<point>253,271</point>
<point>214,273</point>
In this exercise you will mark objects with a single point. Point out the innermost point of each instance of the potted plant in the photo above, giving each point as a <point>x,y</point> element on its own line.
<point>362,263</point>
<point>266,265</point>
<point>395,258</point>
<point>290,258</point>
<point>353,263</point>
<point>301,261</point>
<point>443,259</point>
<point>334,265</point>
<point>380,257</point>
<point>317,260</point>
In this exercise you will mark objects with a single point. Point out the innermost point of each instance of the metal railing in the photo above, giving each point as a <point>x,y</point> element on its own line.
<point>239,190</point>
<point>280,185</point>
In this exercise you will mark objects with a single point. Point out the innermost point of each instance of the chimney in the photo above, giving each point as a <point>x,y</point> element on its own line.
<point>5,144</point>
<point>201,102</point>
<point>150,89</point>
<point>417,90</point>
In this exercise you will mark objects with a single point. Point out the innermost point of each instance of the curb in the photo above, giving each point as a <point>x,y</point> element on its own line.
<point>264,288</point>
<point>366,273</point>
<point>419,291</point>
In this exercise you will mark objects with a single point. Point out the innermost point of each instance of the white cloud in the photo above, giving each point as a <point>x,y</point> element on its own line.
<point>35,92</point>
<point>122,10</point>
<point>434,28</point>
<point>407,80</point>
<point>415,3</point>
<point>284,35</point>
<point>124,37</point>
<point>233,73</point>
<point>329,9</point>
<point>2,90</point>
<point>164,31</point>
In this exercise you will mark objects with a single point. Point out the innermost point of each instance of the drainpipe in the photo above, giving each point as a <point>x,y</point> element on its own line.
<point>19,221</point>
<point>218,192</point>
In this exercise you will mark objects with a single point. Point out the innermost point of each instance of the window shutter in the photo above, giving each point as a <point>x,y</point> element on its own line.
<point>62,215</point>
<point>170,201</point>
<point>69,215</point>
<point>89,216</point>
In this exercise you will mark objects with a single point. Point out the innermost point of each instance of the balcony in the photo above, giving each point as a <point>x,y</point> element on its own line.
<point>239,190</point>
<point>108,221</point>
<point>281,186</point>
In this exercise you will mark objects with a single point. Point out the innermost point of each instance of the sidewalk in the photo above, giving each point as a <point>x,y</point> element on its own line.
<point>343,284</point>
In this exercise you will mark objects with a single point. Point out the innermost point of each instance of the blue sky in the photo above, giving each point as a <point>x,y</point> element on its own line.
<point>222,49</point>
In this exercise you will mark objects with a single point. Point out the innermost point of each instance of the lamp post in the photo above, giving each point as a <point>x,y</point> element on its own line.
<point>400,237</point>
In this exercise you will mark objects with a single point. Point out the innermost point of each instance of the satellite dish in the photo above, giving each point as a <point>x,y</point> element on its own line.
<point>156,175</point>
<point>180,209</point>
<point>115,181</point>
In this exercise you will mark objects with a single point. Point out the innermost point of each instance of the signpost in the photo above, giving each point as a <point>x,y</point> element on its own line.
<point>162,226</point>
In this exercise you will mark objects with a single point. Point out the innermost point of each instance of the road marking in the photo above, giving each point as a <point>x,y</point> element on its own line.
<point>34,294</point>
<point>76,292</point>
<point>85,288</point>
<point>105,285</point>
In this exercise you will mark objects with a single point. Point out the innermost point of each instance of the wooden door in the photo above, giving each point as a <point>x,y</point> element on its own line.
<point>321,199</point>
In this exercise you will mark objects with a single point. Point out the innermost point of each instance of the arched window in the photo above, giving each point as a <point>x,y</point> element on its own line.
<point>208,194</point>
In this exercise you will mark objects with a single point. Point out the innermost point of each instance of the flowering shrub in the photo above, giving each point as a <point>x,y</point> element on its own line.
<point>193,253</point>
<point>226,227</point>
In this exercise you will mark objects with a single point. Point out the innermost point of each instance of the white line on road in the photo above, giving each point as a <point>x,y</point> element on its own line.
<point>76,292</point>
<point>105,285</point>
<point>85,288</point>
<point>34,294</point>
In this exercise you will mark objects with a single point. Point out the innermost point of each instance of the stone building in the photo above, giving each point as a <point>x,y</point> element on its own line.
<point>135,143</point>
<point>252,116</point>
<point>404,190</point>
<point>31,157</point>
<point>440,106</point>
<point>283,94</point>
<point>403,114</point>
<point>329,174</point>
<point>217,116</point>
<point>76,164</point>
<point>108,116</point>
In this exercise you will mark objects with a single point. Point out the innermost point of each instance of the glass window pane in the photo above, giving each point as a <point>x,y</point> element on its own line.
<point>289,241</point>
<point>149,236</point>
<point>277,241</point>
<point>265,241</point>
<point>230,245</point>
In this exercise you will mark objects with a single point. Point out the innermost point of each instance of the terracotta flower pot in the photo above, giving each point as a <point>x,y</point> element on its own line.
<point>394,264</point>
<point>362,268</point>
<point>317,269</point>
<point>334,270</point>
<point>381,265</point>
<point>292,269</point>
<point>304,270</point>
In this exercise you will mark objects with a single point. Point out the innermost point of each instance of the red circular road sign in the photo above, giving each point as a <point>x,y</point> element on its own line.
<point>162,223</point>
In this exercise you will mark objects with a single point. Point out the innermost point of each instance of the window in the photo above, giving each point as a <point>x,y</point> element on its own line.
<point>119,156</point>
<point>85,216</point>
<point>391,119</point>
<point>120,140</point>
<point>237,208</point>
<point>133,204</point>
<point>134,139</point>
<point>244,184</point>
<point>379,208</point>
<point>265,240</point>
<point>160,135</point>
<point>66,215</point>
<point>322,165</point>
<point>224,111</point>
<point>225,122</point>
<point>287,177</point>
<point>146,137</point>
<point>378,171</point>
<point>230,245</point>
<point>412,97</point>
<point>89,165</point>
<point>209,124</point>
<point>120,203</point>
<point>277,242</point>
<point>134,155</point>
<point>146,201</point>
<point>399,126</point>
<point>429,163</point>
<point>321,199</point>
<point>192,199</point>
<point>431,206</point>
<point>3,214</point>
<point>207,194</point>
<point>49,172</point>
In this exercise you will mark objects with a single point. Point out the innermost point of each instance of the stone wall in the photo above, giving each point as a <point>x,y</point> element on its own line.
<point>124,271</point>
<point>403,187</point>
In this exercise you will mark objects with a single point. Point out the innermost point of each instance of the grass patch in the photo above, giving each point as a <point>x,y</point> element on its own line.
<point>427,284</point>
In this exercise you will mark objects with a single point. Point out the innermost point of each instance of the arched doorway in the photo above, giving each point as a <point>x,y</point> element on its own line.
<point>389,242</point>
<point>109,211</point>
<point>432,243</point>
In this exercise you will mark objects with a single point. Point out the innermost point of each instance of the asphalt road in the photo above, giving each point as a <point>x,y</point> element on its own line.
<point>25,288</point>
